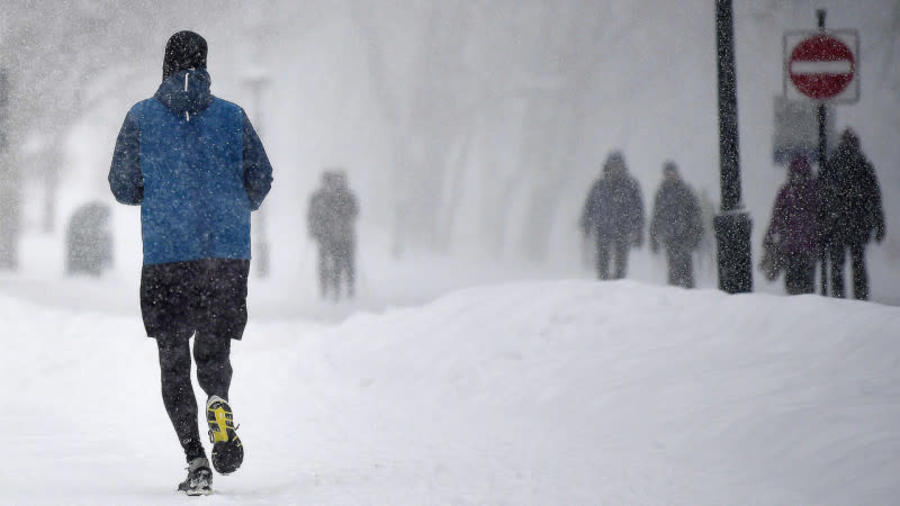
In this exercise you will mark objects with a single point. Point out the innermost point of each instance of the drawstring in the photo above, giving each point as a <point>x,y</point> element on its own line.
<point>187,115</point>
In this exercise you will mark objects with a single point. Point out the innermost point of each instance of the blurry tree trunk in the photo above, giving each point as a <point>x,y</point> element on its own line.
<point>10,184</point>
<point>426,121</point>
<point>556,119</point>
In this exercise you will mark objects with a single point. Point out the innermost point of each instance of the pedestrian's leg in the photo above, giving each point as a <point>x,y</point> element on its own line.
<point>808,279</point>
<point>602,259</point>
<point>351,268</point>
<point>334,276</point>
<point>688,269</point>
<point>823,259</point>
<point>680,267</point>
<point>221,320</point>
<point>860,276</point>
<point>793,275</point>
<point>323,271</point>
<point>339,261</point>
<point>836,256</point>
<point>177,392</point>
<point>621,247</point>
<point>212,354</point>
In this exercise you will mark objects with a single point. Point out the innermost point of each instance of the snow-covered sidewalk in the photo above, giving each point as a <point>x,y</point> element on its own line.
<point>565,392</point>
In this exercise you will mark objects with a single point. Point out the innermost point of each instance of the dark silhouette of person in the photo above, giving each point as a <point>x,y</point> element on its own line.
<point>331,221</point>
<point>614,215</point>
<point>677,224</point>
<point>197,168</point>
<point>89,240</point>
<point>851,214</point>
<point>793,232</point>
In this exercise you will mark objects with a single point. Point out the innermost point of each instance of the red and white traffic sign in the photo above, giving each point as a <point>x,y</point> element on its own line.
<point>822,66</point>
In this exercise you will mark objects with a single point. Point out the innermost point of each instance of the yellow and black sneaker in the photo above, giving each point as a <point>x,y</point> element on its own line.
<point>227,452</point>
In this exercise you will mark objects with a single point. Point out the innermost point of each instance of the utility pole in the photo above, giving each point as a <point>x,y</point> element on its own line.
<point>733,223</point>
<point>823,154</point>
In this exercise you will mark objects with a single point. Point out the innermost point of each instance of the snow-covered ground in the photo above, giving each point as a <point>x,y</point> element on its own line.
<point>542,392</point>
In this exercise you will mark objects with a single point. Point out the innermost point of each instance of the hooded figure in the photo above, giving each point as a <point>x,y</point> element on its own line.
<point>331,220</point>
<point>197,168</point>
<point>614,214</point>
<point>793,232</point>
<point>677,224</point>
<point>851,213</point>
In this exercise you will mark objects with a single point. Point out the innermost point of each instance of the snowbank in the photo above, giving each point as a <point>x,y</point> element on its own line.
<point>567,392</point>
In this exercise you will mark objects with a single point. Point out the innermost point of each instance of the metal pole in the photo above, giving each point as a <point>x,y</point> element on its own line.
<point>730,175</point>
<point>823,154</point>
<point>733,224</point>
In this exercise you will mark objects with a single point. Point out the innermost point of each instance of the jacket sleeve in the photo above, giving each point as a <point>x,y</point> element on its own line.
<point>638,203</point>
<point>354,206</point>
<point>588,213</point>
<point>775,230</point>
<point>125,179</point>
<point>873,203</point>
<point>696,220</point>
<point>257,169</point>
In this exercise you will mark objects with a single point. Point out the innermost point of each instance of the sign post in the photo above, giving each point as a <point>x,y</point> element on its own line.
<point>822,66</point>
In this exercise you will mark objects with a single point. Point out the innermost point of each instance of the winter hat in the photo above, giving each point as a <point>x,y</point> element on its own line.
<point>185,50</point>
<point>670,167</point>
<point>800,168</point>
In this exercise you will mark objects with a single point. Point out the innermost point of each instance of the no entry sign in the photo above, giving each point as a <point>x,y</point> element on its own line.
<point>822,66</point>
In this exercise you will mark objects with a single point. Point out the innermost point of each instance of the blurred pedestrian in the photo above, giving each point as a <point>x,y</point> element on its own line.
<point>331,221</point>
<point>851,213</point>
<point>614,216</point>
<point>89,240</point>
<point>677,224</point>
<point>197,168</point>
<point>793,232</point>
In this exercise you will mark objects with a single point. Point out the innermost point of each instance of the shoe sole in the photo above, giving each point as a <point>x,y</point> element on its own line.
<point>227,452</point>
<point>196,492</point>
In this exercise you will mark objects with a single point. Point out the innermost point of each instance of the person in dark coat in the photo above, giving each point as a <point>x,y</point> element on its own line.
<point>614,215</point>
<point>851,213</point>
<point>197,168</point>
<point>677,224</point>
<point>793,232</point>
<point>331,220</point>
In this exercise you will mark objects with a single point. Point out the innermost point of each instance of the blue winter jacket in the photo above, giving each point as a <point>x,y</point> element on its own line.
<point>195,165</point>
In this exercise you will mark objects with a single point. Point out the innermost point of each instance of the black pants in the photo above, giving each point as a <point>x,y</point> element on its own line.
<point>211,354</point>
<point>800,273</point>
<point>337,261</point>
<point>681,267</point>
<point>838,255</point>
<point>205,299</point>
<point>619,246</point>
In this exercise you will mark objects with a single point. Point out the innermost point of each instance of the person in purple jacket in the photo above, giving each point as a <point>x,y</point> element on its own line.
<point>794,230</point>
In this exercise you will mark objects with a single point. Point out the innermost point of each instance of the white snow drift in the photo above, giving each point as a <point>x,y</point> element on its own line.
<point>570,392</point>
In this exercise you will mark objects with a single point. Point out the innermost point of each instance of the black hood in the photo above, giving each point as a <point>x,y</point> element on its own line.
<point>186,92</point>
